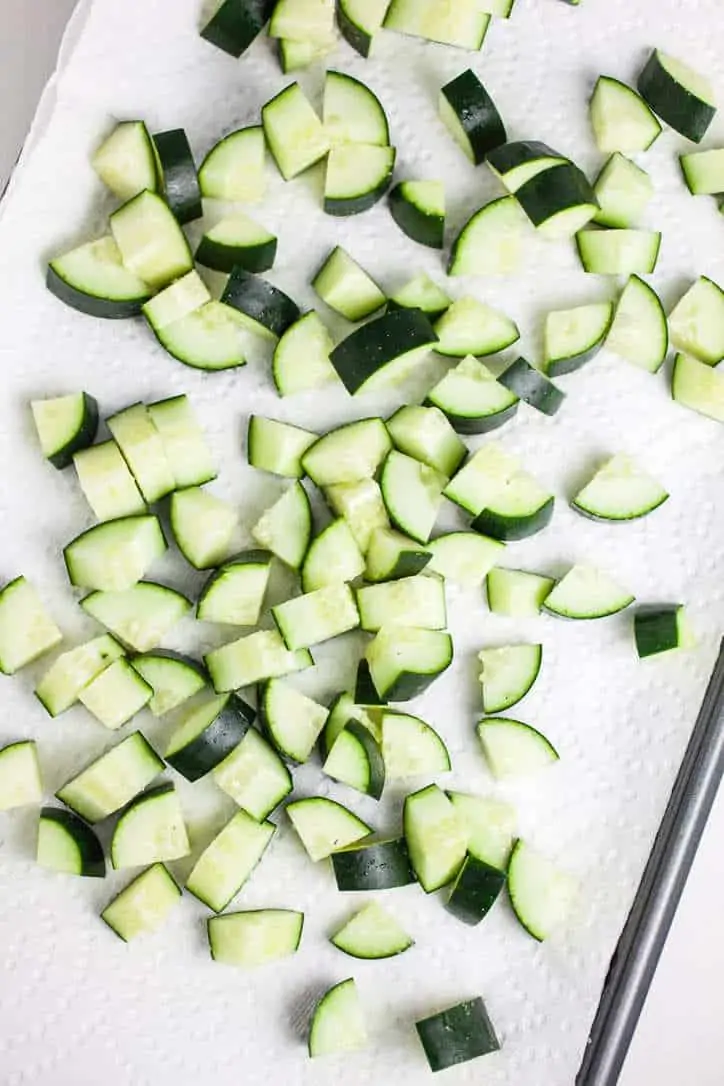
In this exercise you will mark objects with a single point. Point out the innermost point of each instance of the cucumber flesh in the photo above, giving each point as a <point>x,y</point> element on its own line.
<point>346,287</point>
<point>338,1022</point>
<point>26,629</point>
<point>423,293</point>
<point>623,191</point>
<point>621,119</point>
<point>65,425</point>
<point>618,252</point>
<point>513,749</point>
<point>324,826</point>
<point>150,240</point>
<point>472,399</point>
<point>696,323</point>
<point>294,722</point>
<point>141,616</point>
<point>94,279</point>
<point>698,386</point>
<point>62,683</point>
<point>333,557</point>
<point>301,358</point>
<point>352,113</point>
<point>355,759</point>
<point>20,779</point>
<point>362,507</point>
<point>470,327</point>
<point>126,161</point>
<point>541,895</point>
<point>254,776</point>
<point>425,434</point>
<point>639,332</point>
<point>372,934</point>
<point>261,655</point>
<point>348,454</point>
<point>116,695</point>
<point>508,673</point>
<point>234,170</point>
<point>143,906</point>
<point>435,836</point>
<point>203,526</point>
<point>116,555</point>
<point>465,558</point>
<point>112,781</point>
<point>587,593</point>
<point>228,860</point>
<point>411,748</point>
<point>412,493</point>
<point>620,491</point>
<point>256,937</point>
<point>294,133</point>
<point>405,660</point>
<point>173,678</point>
<point>491,242</point>
<point>152,829</point>
<point>517,593</point>
<point>317,616</point>
<point>463,25</point>
<point>286,527</point>
<point>490,826</point>
<point>574,337</point>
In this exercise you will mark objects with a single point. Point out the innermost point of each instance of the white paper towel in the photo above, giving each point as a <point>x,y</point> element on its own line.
<point>77,1006</point>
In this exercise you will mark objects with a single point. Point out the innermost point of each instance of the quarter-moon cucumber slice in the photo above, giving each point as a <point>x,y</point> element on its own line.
<point>620,490</point>
<point>338,1022</point>
<point>639,332</point>
<point>513,749</point>
<point>541,894</point>
<point>698,386</point>
<point>696,322</point>
<point>411,748</point>
<point>372,933</point>
<point>508,673</point>
<point>586,593</point>
<point>324,826</point>
<point>436,837</point>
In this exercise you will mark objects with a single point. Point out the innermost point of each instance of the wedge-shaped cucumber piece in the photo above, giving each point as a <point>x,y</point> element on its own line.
<point>517,593</point>
<point>151,242</point>
<point>254,776</point>
<point>361,505</point>
<point>228,861</point>
<point>359,21</point>
<point>660,628</point>
<point>352,112</point>
<point>73,670</point>
<point>203,526</point>
<point>301,358</point>
<point>425,434</point>
<point>277,447</point>
<point>141,616</point>
<point>696,322</point>
<point>412,494</point>
<point>409,601</point>
<point>294,133</point>
<point>681,96</point>
<point>293,721</point>
<point>470,327</point>
<point>618,252</point>
<point>114,556</point>
<point>471,116</point>
<point>379,865</point>
<point>490,826</point>
<point>620,491</point>
<point>26,629</point>
<point>621,119</point>
<point>513,749</point>
<point>112,781</point>
<point>358,176</point>
<point>392,556</point>
<point>68,845</point>
<point>317,616</point>
<point>464,558</point>
<point>107,482</point>
<point>234,169</point>
<point>116,695</point>
<point>261,655</point>
<point>541,895</point>
<point>333,558</point>
<point>411,748</point>
<point>372,934</point>
<point>65,425</point>
<point>473,400</point>
<point>573,337</point>
<point>623,191</point>
<point>143,906</point>
<point>94,280</point>
<point>507,674</point>
<point>255,937</point>
<point>207,733</point>
<point>404,660</point>
<point>126,160</point>
<point>462,24</point>
<point>585,593</point>
<point>421,292</point>
<point>285,529</point>
<point>475,890</point>
<point>184,442</point>
<point>436,837</point>
<point>338,1022</point>
<point>639,332</point>
<point>356,759</point>
<point>698,386</point>
<point>20,780</point>
<point>234,593</point>
<point>343,709</point>
<point>175,678</point>
<point>492,240</point>
<point>348,454</point>
<point>324,826</point>
<point>150,830</point>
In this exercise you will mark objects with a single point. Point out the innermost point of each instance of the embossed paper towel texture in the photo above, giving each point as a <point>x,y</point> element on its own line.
<point>77,1006</point>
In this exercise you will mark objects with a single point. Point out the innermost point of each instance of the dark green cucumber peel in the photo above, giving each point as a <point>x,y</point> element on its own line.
<point>355,205</point>
<point>508,528</point>
<point>215,742</point>
<point>236,24</point>
<point>656,629</point>
<point>511,155</point>
<point>674,104</point>
<point>477,113</point>
<point>84,436</point>
<point>90,304</point>
<point>364,691</point>
<point>359,39</point>
<point>476,424</point>
<point>414,221</point>
<point>259,257</point>
<point>178,170</point>
<point>458,1034</point>
<point>382,865</point>
<point>90,850</point>
<point>373,752</point>
<point>553,191</point>
<point>377,344</point>
<point>259,300</point>
<point>531,385</point>
<point>475,890</point>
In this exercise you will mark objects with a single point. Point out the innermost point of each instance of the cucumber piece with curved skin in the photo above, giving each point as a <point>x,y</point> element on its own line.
<point>470,327</point>
<point>680,96</point>
<point>317,616</point>
<point>337,1022</point>
<point>505,500</point>
<point>61,684</point>
<point>513,749</point>
<point>202,525</point>
<point>558,202</point>
<point>237,240</point>
<point>412,494</point>
<point>68,845</point>
<point>143,450</point>
<point>294,56</point>
<point>183,440</point>
<point>248,660</point>
<point>126,161</point>
<point>573,337</point>
<point>228,860</point>
<point>115,555</point>
<point>141,616</point>
<point>352,113</point>
<point>116,695</point>
<point>471,116</point>
<point>696,323</point>
<point>464,558</point>
<point>150,830</point>
<point>234,593</point>
<point>264,308</point>
<point>621,119</point>
<point>302,20</point>
<point>346,287</point>
<point>379,865</point>
<point>151,242</point>
<point>623,191</point>
<point>411,601</point>
<point>143,905</point>
<point>372,934</point>
<point>383,351</point>
<point>422,293</point>
<point>348,454</point>
<point>254,937</point>
<point>531,385</point>
<point>207,734</point>
<point>620,491</point>
<point>472,399</point>
<point>206,339</point>
<point>359,21</point>
<point>324,826</point>
<point>173,677</point>
<point>292,721</point>
<point>286,527</point>
<point>112,780</point>
<point>520,161</point>
<point>412,748</point>
<point>26,630</point>
<point>94,280</point>
<point>277,447</point>
<point>508,674</point>
<point>639,332</point>
<point>345,708</point>
<point>178,173</point>
<point>294,133</point>
<point>392,555</point>
<point>703,172</point>
<point>618,252</point>
<point>491,241</point>
<point>236,23</point>
<point>234,169</point>
<point>301,357</point>
<point>366,697</point>
<point>517,593</point>
<point>435,836</point>
<point>358,176</point>
<point>254,775</point>
<point>20,780</point>
<point>660,628</point>
<point>361,505</point>
<point>65,425</point>
<point>457,1035</point>
<point>540,894</point>
<point>425,434</point>
<point>463,25</point>
<point>475,890</point>
<point>587,593</point>
<point>355,759</point>
<point>418,208</point>
<point>490,827</point>
<point>333,557</point>
<point>698,386</point>
<point>404,661</point>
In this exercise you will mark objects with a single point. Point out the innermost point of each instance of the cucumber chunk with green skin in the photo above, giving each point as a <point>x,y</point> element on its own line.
<point>698,386</point>
<point>264,308</point>
<point>94,280</point>
<point>513,749</point>
<point>150,830</point>
<point>520,161</point>
<point>356,760</point>
<point>362,507</point>
<point>475,890</point>
<point>696,323</point>
<point>411,748</point>
<point>492,241</point>
<point>623,191</point>
<point>301,358</point>
<point>277,447</point>
<point>143,906</point>
<point>682,97</point>
<point>508,674</point>
<point>20,779</point>
<point>366,697</point>
<point>295,56</point>
<point>348,454</point>
<point>587,593</point>
<point>703,172</point>
<point>621,120</point>
<point>618,252</point>
<point>660,628</point>
<point>465,558</point>
<point>639,332</point>
<point>464,25</point>
<point>234,593</point>
<point>392,556</point>
<point>178,173</point>
<point>228,860</point>
<point>358,176</point>
<point>255,937</point>
<point>490,826</point>
<point>26,629</point>
<point>254,776</point>
<point>344,708</point>
<point>620,491</point>
<point>113,556</point>
<point>302,20</point>
<point>237,240</point>
<point>384,351</point>
<point>174,678</point>
<point>412,493</point>
<point>379,865</point>
<point>206,339</point>
<point>184,442</point>
<point>558,202</point>
<point>457,1035</point>
<point>286,527</point>
<point>292,721</point>
<point>472,399</point>
<point>333,557</point>
<point>573,337</point>
<point>116,695</point>
<point>234,169</point>
<point>151,242</point>
<point>203,526</point>
<point>541,894</point>
<point>316,616</point>
<point>337,1022</point>
<point>112,780</point>
<point>66,844</point>
<point>435,836</point>
<point>294,133</point>
<point>63,681</point>
<point>422,293</point>
<point>517,593</point>
<point>359,21</point>
<point>404,660</point>
<point>65,425</point>
<point>141,616</point>
<point>531,385</point>
<point>324,826</point>
<point>372,934</point>
<point>410,601</point>
<point>207,734</point>
<point>346,287</point>
<point>470,327</point>
<point>418,208</point>
<point>352,113</point>
<point>126,161</point>
<point>261,655</point>
<point>143,450</point>
<point>471,116</point>
<point>425,434</point>
<point>235,25</point>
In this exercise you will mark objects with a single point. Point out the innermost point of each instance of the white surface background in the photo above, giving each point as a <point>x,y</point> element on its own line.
<point>679,1035</point>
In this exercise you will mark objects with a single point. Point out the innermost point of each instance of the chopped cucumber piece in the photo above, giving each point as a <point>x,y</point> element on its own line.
<point>516,593</point>
<point>392,555</point>
<point>381,865</point>
<point>471,116</point>
<point>301,358</point>
<point>26,630</point>
<point>65,425</point>
<point>324,826</point>
<point>425,434</point>
<point>516,163</point>
<point>361,505</point>
<point>508,673</point>
<point>112,780</point>
<point>73,670</point>
<point>404,660</point>
<point>116,695</point>
<point>465,558</point>
<point>435,836</point>
<point>94,280</point>
<point>258,306</point>
<point>206,339</point>
<point>356,759</point>
<point>682,97</point>
<point>114,556</point>
<point>237,240</point>
<point>457,1035</point>
<point>639,332</point>
<point>418,208</point>
<point>302,20</point>
<point>234,170</point>
<point>472,399</point>
<point>293,722</point>
<point>20,780</point>
<point>207,733</point>
<point>359,21</point>
<point>254,776</point>
<point>333,557</point>
<point>177,170</point>
<point>234,26</point>
<point>173,677</point>
<point>619,252</point>
<point>317,616</point>
<point>513,749</point>
<point>532,386</point>
<point>143,906</point>
<point>372,934</point>
<point>352,112</point>
<point>348,454</point>
<point>285,529</point>
<point>383,352</point>
<point>558,202</point>
<point>697,386</point>
<point>623,191</point>
<point>662,628</point>
<point>491,242</point>
<point>574,337</point>
<point>412,493</point>
<point>261,655</point>
<point>490,826</point>
<point>277,447</point>
<point>234,593</point>
<point>150,830</point>
<point>203,526</point>
<point>696,323</point>
<point>341,711</point>
<point>585,593</point>
<point>475,890</point>
<point>346,287</point>
<point>704,172</point>
<point>358,176</point>
<point>141,616</point>
<point>620,490</point>
<point>540,894</point>
<point>255,937</point>
<point>411,748</point>
<point>183,441</point>
<point>470,327</point>
<point>107,483</point>
<point>294,133</point>
<point>151,242</point>
<point>228,861</point>
<point>143,450</point>
<point>621,119</point>
<point>462,24</point>
<point>297,55</point>
<point>338,1022</point>
<point>422,293</point>
<point>410,601</point>
<point>126,160</point>
<point>67,845</point>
